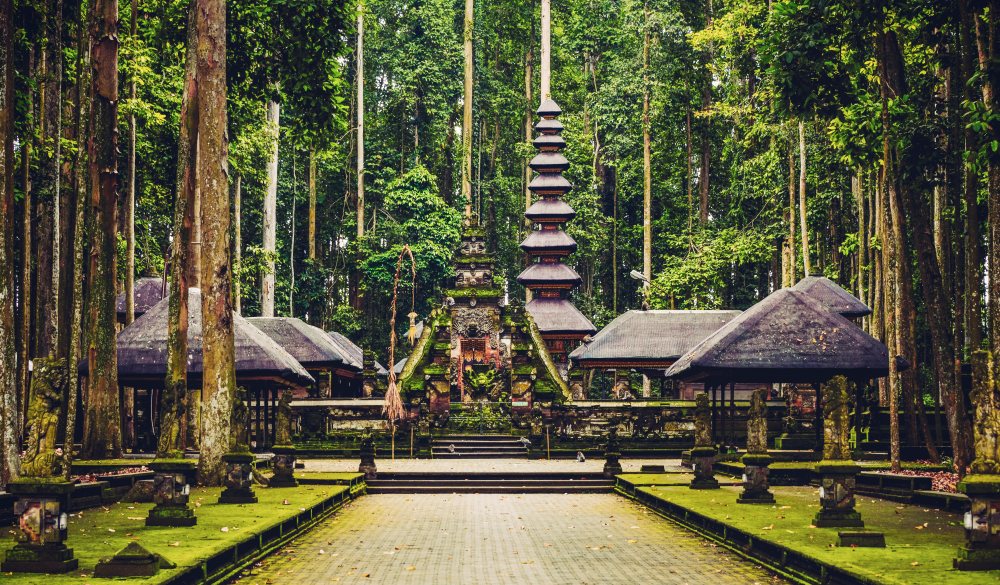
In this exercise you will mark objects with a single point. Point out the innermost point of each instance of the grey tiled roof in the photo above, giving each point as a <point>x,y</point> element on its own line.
<point>833,296</point>
<point>550,209</point>
<point>354,353</point>
<point>548,273</point>
<point>148,292</point>
<point>787,337</point>
<point>555,316</point>
<point>652,336</point>
<point>313,348</point>
<point>548,240</point>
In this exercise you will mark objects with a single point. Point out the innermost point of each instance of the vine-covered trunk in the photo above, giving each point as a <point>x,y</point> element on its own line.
<point>171,440</point>
<point>219,375</point>
<point>102,428</point>
<point>270,213</point>
<point>9,417</point>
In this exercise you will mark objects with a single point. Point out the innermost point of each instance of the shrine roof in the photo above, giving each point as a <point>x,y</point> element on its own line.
<point>548,240</point>
<point>833,296</point>
<point>148,291</point>
<point>559,316</point>
<point>311,346</point>
<point>355,354</point>
<point>545,273</point>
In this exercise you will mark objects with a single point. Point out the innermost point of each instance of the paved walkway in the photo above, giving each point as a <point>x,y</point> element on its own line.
<point>594,465</point>
<point>485,539</point>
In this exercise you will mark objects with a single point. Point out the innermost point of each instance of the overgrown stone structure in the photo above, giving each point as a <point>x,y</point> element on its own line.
<point>367,465</point>
<point>239,460</point>
<point>171,491</point>
<point>704,452</point>
<point>837,471</point>
<point>612,452</point>
<point>283,462</point>
<point>43,491</point>
<point>756,489</point>
<point>982,522</point>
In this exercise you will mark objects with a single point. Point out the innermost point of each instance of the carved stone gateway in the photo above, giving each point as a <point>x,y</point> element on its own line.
<point>703,454</point>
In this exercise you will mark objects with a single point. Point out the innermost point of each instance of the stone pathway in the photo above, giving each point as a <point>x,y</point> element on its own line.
<point>593,465</point>
<point>485,539</point>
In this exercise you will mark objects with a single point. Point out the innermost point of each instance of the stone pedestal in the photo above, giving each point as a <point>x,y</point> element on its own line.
<point>612,454</point>
<point>239,479</point>
<point>132,561</point>
<point>283,464</point>
<point>703,465</point>
<point>836,495</point>
<point>367,465</point>
<point>171,489</point>
<point>756,489</point>
<point>42,520</point>
<point>982,524</point>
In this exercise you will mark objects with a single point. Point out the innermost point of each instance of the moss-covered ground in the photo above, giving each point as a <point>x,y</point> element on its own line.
<point>665,479</point>
<point>865,465</point>
<point>920,542</point>
<point>100,532</point>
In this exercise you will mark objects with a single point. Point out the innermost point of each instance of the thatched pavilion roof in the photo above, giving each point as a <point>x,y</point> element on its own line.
<point>787,337</point>
<point>148,292</point>
<point>833,296</point>
<point>142,351</point>
<point>309,345</point>
<point>654,339</point>
<point>354,353</point>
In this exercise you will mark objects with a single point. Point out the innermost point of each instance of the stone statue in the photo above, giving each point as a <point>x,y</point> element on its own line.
<point>986,422</point>
<point>702,421</point>
<point>43,457</point>
<point>757,423</point>
<point>240,433</point>
<point>367,452</point>
<point>836,420</point>
<point>283,420</point>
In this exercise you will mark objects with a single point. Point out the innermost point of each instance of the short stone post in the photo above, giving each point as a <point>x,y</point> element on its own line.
<point>367,465</point>
<point>703,453</point>
<point>283,462</point>
<point>982,522</point>
<point>612,452</point>
<point>755,471</point>
<point>239,461</point>
<point>42,491</point>
<point>171,490</point>
<point>837,471</point>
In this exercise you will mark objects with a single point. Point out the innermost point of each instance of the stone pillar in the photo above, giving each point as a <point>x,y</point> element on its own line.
<point>612,452</point>
<point>369,374</point>
<point>283,462</point>
<point>239,461</point>
<point>837,471</point>
<point>982,522</point>
<point>756,489</point>
<point>704,452</point>
<point>367,465</point>
<point>171,489</point>
<point>42,491</point>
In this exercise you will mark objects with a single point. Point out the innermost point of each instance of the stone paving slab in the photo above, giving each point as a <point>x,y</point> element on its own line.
<point>594,465</point>
<point>495,539</point>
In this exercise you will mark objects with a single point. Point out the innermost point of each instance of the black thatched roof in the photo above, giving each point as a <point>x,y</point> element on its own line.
<point>653,338</point>
<point>787,337</point>
<point>148,291</point>
<point>559,317</point>
<point>309,345</point>
<point>142,351</point>
<point>833,296</point>
<point>354,353</point>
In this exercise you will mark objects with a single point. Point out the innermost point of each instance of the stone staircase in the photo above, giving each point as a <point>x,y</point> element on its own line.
<point>478,447</point>
<point>489,483</point>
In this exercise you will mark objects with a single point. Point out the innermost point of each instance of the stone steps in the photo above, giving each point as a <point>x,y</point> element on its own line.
<point>478,447</point>
<point>489,483</point>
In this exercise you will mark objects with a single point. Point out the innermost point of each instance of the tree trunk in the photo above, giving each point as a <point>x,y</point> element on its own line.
<point>9,418</point>
<point>129,206</point>
<point>647,177</point>
<point>545,86</point>
<point>237,243</point>
<point>986,37</point>
<point>973,247</point>
<point>312,203</point>
<point>171,439</point>
<point>467,109</point>
<point>704,180</point>
<point>360,83</point>
<point>804,233</point>
<point>219,377</point>
<point>48,185</point>
<point>102,438</point>
<point>27,300</point>
<point>270,214</point>
<point>790,253</point>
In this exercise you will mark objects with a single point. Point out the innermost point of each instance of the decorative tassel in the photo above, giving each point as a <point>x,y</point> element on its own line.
<point>411,335</point>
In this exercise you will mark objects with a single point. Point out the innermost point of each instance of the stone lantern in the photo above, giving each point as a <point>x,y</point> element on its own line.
<point>171,490</point>
<point>704,452</point>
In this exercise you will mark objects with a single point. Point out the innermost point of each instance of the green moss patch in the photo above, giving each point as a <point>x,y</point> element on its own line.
<point>920,542</point>
<point>101,532</point>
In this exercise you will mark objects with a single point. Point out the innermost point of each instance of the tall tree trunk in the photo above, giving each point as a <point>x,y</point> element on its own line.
<point>219,374</point>
<point>986,39</point>
<point>170,443</point>
<point>704,179</point>
<point>9,416</point>
<point>647,177</point>
<point>936,304</point>
<point>360,83</point>
<point>47,187</point>
<point>545,86</point>
<point>102,438</point>
<point>804,231</point>
<point>790,253</point>
<point>129,206</point>
<point>312,203</point>
<point>27,226</point>
<point>237,243</point>
<point>270,213</point>
<point>467,109</point>
<point>973,248</point>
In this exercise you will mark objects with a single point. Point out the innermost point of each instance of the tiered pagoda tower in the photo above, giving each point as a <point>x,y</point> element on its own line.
<point>547,276</point>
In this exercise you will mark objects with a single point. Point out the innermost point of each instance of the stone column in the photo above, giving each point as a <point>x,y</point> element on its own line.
<point>837,471</point>
<point>42,491</point>
<point>704,452</point>
<point>982,522</point>
<point>171,489</point>
<point>756,489</point>
<point>239,461</point>
<point>367,465</point>
<point>283,462</point>
<point>612,452</point>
